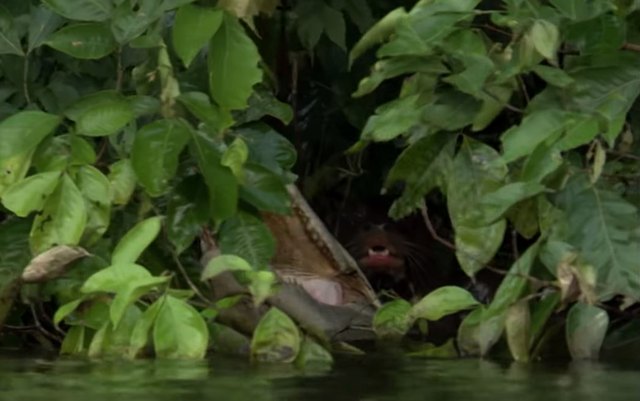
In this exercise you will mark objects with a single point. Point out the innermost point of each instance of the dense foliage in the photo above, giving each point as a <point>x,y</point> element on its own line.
<point>114,113</point>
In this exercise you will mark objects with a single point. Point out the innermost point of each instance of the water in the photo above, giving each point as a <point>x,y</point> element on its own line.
<point>373,377</point>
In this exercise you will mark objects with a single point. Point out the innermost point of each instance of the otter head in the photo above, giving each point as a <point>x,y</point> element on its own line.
<point>380,252</point>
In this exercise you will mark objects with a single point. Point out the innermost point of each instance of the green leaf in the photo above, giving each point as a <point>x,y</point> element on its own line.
<point>268,148</point>
<point>554,76</point>
<point>233,65</point>
<point>606,230</point>
<point>276,338</point>
<point>123,181</point>
<point>62,220</point>
<point>541,312</point>
<point>476,171</point>
<point>604,34</point>
<point>114,278</point>
<point>140,333</point>
<point>479,331</point>
<point>30,194</point>
<point>101,113</point>
<point>534,129</point>
<point>73,343</point>
<point>223,263</point>
<point>187,212</point>
<point>14,169</point>
<point>586,329</point>
<point>23,132</point>
<point>451,111</point>
<point>9,39</point>
<point>545,37</point>
<point>494,100</point>
<point>392,320</point>
<point>215,118</point>
<point>235,156</point>
<point>193,28</point>
<point>130,293</point>
<point>580,132</point>
<point>313,355</point>
<point>495,204</point>
<point>580,10</point>
<point>82,10</point>
<point>42,24</point>
<point>179,331</point>
<point>133,17</point>
<point>96,189</point>
<point>65,310</point>
<point>156,149</point>
<point>223,186</point>
<point>518,330</point>
<point>263,103</point>
<point>515,282</point>
<point>261,285</point>
<point>63,151</point>
<point>264,190</point>
<point>442,302</point>
<point>92,40</point>
<point>136,240</point>
<point>393,119</point>
<point>248,237</point>
<point>378,33</point>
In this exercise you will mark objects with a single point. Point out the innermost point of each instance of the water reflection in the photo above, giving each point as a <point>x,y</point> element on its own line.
<point>374,377</point>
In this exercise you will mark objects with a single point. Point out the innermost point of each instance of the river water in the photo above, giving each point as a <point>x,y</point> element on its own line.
<point>372,377</point>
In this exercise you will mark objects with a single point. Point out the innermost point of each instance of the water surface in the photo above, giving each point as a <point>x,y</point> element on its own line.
<point>372,377</point>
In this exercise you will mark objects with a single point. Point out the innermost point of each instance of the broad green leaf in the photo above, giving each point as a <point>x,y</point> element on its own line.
<point>604,34</point>
<point>451,110</point>
<point>233,65</point>
<point>378,33</point>
<point>475,171</point>
<point>586,329</point>
<point>65,310</point>
<point>579,10</point>
<point>605,229</point>
<point>133,17</point>
<point>223,263</point>
<point>14,169</point>
<point>515,282</point>
<point>111,341</point>
<point>316,18</point>
<point>215,118</point>
<point>187,212</point>
<point>42,24</point>
<point>518,141</point>
<point>396,66</point>
<point>579,132</point>
<point>263,103</point>
<point>144,105</point>
<point>82,10</point>
<point>9,39</point>
<point>92,40</point>
<point>101,113</point>
<point>545,37</point>
<point>360,13</point>
<point>235,156</point>
<point>276,338</point>
<point>544,160</point>
<point>193,28</point>
<point>123,181</point>
<point>63,151</point>
<point>96,190</point>
<point>479,331</point>
<point>62,220</point>
<point>136,240</point>
<point>73,343</point>
<point>393,119</point>
<point>422,166</point>
<point>267,147</point>
<point>392,320</point>
<point>313,355</point>
<point>518,330</point>
<point>264,189</point>
<point>248,237</point>
<point>23,131</point>
<point>179,332</point>
<point>130,293</point>
<point>554,76</point>
<point>141,331</point>
<point>494,100</point>
<point>223,186</point>
<point>114,278</point>
<point>247,9</point>
<point>495,204</point>
<point>156,149</point>
<point>30,194</point>
<point>442,302</point>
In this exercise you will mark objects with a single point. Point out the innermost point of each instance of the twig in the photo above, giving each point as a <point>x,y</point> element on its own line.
<point>634,47</point>
<point>120,71</point>
<point>190,283</point>
<point>623,154</point>
<point>514,244</point>
<point>41,328</point>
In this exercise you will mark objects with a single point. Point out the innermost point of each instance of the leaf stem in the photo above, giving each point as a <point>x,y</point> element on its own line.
<point>25,77</point>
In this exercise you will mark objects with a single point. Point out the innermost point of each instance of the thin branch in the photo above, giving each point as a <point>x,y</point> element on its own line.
<point>190,283</point>
<point>634,47</point>
<point>623,154</point>
<point>120,71</point>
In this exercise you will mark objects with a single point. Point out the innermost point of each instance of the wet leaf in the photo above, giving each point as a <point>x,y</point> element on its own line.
<point>313,355</point>
<point>276,338</point>
<point>586,328</point>
<point>136,240</point>
<point>479,331</point>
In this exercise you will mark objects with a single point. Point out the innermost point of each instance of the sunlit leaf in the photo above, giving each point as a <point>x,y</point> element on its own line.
<point>518,330</point>
<point>393,119</point>
<point>30,194</point>
<point>392,320</point>
<point>123,181</point>
<point>545,37</point>
<point>223,263</point>
<point>130,293</point>
<point>141,331</point>
<point>379,32</point>
<point>114,278</point>
<point>136,240</point>
<point>276,338</point>
<point>96,190</point>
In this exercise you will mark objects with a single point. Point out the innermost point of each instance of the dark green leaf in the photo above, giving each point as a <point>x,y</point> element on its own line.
<point>268,148</point>
<point>187,212</point>
<point>393,119</point>
<point>534,129</point>
<point>193,28</point>
<point>91,40</point>
<point>379,32</point>
<point>200,106</point>
<point>156,148</point>
<point>495,204</point>
<point>554,76</point>
<point>248,237</point>
<point>579,10</point>
<point>264,190</point>
<point>313,355</point>
<point>42,24</point>
<point>9,39</point>
<point>262,103</point>
<point>82,10</point>
<point>479,331</point>
<point>233,65</point>
<point>132,18</point>
<point>586,328</point>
